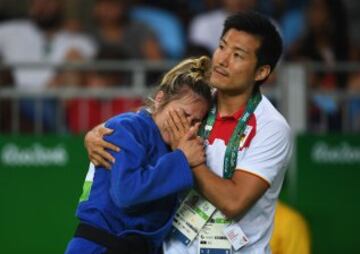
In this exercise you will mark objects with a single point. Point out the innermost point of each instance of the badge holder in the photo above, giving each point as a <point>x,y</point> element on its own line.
<point>212,237</point>
<point>191,217</point>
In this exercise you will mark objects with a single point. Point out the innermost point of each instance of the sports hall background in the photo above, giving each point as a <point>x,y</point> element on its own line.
<point>43,120</point>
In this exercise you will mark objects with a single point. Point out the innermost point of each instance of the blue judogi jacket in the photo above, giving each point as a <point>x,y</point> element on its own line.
<point>139,193</point>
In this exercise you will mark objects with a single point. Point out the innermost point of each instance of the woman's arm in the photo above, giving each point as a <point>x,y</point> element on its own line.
<point>96,145</point>
<point>135,180</point>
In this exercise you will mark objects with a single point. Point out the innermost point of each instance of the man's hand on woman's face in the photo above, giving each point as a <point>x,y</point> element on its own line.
<point>96,145</point>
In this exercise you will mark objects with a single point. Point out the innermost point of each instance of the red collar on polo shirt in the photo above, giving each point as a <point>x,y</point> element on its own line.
<point>225,125</point>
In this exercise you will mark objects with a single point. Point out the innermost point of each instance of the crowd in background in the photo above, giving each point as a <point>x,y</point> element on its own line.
<point>323,31</point>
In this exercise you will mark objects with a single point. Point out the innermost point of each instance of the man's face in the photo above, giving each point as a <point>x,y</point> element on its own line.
<point>107,12</point>
<point>234,62</point>
<point>47,14</point>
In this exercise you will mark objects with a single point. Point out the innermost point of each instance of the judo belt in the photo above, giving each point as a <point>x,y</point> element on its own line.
<point>131,244</point>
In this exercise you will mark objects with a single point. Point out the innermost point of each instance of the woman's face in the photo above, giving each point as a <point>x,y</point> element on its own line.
<point>194,107</point>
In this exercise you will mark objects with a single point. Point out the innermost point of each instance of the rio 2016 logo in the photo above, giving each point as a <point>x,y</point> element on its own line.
<point>343,153</point>
<point>34,155</point>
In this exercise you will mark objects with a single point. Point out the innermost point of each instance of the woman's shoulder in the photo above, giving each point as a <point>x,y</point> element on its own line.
<point>139,119</point>
<point>139,125</point>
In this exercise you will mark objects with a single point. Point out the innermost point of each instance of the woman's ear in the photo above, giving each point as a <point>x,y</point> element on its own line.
<point>158,99</point>
<point>262,72</point>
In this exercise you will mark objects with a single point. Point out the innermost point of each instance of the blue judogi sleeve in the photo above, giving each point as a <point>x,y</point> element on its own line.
<point>134,180</point>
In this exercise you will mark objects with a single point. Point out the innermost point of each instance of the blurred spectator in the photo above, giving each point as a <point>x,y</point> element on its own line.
<point>353,10</point>
<point>41,38</point>
<point>291,233</point>
<point>166,25</point>
<point>84,114</point>
<point>6,81</point>
<point>292,24</point>
<point>115,31</point>
<point>325,41</point>
<point>288,14</point>
<point>278,8</point>
<point>184,10</point>
<point>353,113</point>
<point>205,29</point>
<point>273,8</point>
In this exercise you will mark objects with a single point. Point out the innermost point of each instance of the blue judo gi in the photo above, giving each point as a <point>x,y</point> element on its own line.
<point>139,194</point>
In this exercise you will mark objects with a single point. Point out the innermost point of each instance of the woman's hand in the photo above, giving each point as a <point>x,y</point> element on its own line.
<point>178,126</point>
<point>193,147</point>
<point>95,145</point>
<point>183,136</point>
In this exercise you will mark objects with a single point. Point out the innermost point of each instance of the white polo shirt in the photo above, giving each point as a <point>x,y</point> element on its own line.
<point>265,151</point>
<point>22,42</point>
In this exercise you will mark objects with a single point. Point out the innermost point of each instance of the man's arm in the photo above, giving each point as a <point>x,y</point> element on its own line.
<point>265,160</point>
<point>96,146</point>
<point>233,197</point>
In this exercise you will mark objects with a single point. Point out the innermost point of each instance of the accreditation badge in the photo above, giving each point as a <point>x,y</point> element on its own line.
<point>212,239</point>
<point>236,236</point>
<point>191,217</point>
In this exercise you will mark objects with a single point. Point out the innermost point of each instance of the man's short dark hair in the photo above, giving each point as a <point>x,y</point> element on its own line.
<point>258,25</point>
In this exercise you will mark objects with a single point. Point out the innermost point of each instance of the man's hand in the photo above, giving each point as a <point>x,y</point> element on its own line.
<point>95,145</point>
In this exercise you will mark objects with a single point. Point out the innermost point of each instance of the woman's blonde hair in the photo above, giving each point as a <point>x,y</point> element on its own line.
<point>191,73</point>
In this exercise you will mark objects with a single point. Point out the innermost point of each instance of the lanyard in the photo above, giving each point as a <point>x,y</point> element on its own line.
<point>232,148</point>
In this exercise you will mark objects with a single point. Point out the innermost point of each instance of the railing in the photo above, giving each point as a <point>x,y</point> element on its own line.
<point>290,92</point>
<point>38,100</point>
<point>18,99</point>
<point>345,116</point>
